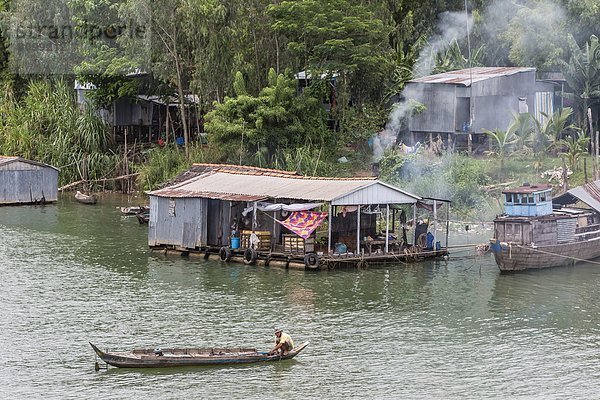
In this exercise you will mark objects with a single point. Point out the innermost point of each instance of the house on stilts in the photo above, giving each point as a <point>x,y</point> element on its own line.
<point>272,217</point>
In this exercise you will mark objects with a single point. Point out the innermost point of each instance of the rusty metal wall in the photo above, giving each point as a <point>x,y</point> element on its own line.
<point>21,182</point>
<point>177,222</point>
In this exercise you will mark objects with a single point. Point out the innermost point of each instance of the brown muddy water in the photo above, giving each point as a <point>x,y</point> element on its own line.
<point>72,273</point>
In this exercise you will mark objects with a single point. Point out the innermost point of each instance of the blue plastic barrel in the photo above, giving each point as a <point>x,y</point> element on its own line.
<point>429,241</point>
<point>235,242</point>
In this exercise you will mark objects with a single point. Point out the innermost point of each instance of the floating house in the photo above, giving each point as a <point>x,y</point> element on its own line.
<point>263,215</point>
<point>27,182</point>
<point>461,105</point>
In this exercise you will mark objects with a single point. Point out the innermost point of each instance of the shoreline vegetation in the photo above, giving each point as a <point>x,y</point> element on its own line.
<point>303,86</point>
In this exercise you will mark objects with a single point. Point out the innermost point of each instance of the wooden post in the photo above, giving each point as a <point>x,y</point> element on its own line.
<point>358,230</point>
<point>387,228</point>
<point>329,228</point>
<point>126,163</point>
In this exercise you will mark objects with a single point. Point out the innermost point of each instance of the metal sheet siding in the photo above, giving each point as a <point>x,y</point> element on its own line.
<point>186,227</point>
<point>544,103</point>
<point>374,194</point>
<point>25,183</point>
<point>440,102</point>
<point>566,229</point>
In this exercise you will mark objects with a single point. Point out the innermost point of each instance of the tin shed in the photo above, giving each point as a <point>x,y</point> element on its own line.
<point>27,182</point>
<point>469,101</point>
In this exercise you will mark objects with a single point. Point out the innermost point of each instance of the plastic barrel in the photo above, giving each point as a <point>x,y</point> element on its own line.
<point>235,242</point>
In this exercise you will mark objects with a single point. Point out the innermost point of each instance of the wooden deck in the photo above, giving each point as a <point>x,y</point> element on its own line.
<point>326,261</point>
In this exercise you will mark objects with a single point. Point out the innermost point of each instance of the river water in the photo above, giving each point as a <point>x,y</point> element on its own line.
<point>73,273</point>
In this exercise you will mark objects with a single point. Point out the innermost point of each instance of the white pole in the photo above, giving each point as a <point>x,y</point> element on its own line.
<point>329,229</point>
<point>254,217</point>
<point>434,224</point>
<point>415,223</point>
<point>387,228</point>
<point>358,230</point>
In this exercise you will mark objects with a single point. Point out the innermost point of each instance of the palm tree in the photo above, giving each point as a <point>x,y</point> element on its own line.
<point>575,147</point>
<point>522,127</point>
<point>502,144</point>
<point>582,73</point>
<point>552,130</point>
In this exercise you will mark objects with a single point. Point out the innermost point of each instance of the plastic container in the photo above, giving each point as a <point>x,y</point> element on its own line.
<point>438,246</point>
<point>430,241</point>
<point>235,242</point>
<point>340,248</point>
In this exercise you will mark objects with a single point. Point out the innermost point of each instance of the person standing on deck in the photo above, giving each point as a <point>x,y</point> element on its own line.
<point>283,343</point>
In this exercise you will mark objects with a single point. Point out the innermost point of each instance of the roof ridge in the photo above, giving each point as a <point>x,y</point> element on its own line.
<point>250,170</point>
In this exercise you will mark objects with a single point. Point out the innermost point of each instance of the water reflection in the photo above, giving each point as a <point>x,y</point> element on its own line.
<point>73,273</point>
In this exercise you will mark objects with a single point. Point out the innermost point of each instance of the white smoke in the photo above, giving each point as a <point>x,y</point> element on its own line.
<point>452,26</point>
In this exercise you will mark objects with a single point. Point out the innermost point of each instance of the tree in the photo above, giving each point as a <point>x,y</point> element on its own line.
<point>536,35</point>
<point>336,37</point>
<point>582,73</point>
<point>575,147</point>
<point>502,144</point>
<point>552,129</point>
<point>260,129</point>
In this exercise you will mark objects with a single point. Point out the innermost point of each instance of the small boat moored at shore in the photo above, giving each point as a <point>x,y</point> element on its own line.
<point>537,231</point>
<point>183,357</point>
<point>85,198</point>
<point>133,210</point>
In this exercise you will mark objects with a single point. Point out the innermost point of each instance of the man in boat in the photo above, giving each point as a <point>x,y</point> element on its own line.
<point>283,343</point>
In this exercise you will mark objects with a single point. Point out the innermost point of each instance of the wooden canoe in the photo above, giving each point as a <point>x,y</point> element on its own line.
<point>85,199</point>
<point>183,357</point>
<point>133,210</point>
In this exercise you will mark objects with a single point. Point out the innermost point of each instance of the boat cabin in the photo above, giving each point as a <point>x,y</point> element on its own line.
<point>531,217</point>
<point>528,201</point>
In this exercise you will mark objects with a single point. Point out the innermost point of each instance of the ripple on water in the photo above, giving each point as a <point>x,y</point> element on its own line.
<point>438,330</point>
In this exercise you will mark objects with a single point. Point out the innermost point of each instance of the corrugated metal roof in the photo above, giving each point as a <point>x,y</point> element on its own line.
<point>10,159</point>
<point>466,76</point>
<point>588,193</point>
<point>198,169</point>
<point>529,189</point>
<point>250,184</point>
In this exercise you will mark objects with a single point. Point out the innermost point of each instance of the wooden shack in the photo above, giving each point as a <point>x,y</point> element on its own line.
<point>268,215</point>
<point>27,182</point>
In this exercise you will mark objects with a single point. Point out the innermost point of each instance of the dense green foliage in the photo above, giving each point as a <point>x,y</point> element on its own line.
<point>240,57</point>
<point>47,126</point>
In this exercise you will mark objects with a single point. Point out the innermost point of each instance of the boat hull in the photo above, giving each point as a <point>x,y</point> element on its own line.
<point>515,257</point>
<point>168,359</point>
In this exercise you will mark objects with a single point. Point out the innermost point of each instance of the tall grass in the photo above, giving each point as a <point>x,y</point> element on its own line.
<point>47,125</point>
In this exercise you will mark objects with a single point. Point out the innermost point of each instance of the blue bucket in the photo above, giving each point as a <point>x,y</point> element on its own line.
<point>235,242</point>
